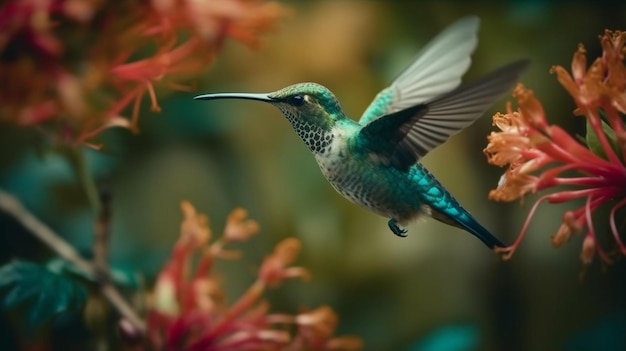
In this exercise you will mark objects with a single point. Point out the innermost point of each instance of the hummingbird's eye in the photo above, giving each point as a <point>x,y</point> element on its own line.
<point>297,100</point>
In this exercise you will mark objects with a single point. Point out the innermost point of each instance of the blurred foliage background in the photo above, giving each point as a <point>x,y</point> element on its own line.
<point>397,294</point>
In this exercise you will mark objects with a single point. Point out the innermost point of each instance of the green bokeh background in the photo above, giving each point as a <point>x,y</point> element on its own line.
<point>394,293</point>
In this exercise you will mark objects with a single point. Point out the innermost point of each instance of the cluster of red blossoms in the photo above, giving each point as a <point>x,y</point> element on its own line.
<point>78,67</point>
<point>544,157</point>
<point>189,310</point>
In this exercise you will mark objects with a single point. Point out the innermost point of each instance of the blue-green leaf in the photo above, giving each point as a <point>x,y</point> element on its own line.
<point>38,293</point>
<point>450,338</point>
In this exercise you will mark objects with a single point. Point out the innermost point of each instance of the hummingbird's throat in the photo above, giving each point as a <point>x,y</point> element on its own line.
<point>319,142</point>
<point>314,136</point>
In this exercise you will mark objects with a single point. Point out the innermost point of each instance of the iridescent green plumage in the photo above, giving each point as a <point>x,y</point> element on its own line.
<point>375,162</point>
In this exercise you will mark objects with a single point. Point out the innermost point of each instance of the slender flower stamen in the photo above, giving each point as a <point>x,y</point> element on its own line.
<point>614,230</point>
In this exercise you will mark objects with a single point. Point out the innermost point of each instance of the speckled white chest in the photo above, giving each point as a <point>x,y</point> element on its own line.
<point>350,177</point>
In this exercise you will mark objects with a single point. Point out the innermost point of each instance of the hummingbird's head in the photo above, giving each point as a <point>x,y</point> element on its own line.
<point>311,109</point>
<point>311,102</point>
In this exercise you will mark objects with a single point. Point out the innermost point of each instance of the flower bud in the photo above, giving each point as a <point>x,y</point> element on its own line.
<point>588,250</point>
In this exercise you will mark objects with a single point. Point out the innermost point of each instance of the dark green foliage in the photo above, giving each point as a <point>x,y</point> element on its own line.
<point>594,144</point>
<point>37,294</point>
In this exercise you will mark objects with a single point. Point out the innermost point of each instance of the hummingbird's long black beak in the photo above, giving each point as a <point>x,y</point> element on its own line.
<point>245,96</point>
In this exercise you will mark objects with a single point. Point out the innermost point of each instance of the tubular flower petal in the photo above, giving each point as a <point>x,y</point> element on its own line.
<point>275,268</point>
<point>506,146</point>
<point>513,185</point>
<point>239,227</point>
<point>317,326</point>
<point>589,250</point>
<point>579,64</point>
<point>530,108</point>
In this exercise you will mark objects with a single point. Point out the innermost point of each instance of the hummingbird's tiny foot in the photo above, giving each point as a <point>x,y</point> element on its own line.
<point>393,225</point>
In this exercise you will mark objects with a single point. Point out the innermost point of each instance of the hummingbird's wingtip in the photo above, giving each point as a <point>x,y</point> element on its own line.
<point>200,97</point>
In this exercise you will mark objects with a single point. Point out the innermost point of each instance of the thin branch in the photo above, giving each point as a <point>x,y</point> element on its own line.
<point>13,207</point>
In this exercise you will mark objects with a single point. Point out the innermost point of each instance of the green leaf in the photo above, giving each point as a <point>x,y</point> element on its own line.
<point>593,143</point>
<point>37,293</point>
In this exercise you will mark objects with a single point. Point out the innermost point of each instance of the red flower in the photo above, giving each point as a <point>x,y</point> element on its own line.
<point>82,84</point>
<point>190,312</point>
<point>543,156</point>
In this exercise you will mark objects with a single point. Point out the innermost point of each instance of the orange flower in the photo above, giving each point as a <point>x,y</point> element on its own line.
<point>541,156</point>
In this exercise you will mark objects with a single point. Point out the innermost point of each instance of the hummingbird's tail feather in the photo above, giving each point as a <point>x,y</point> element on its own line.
<point>468,223</point>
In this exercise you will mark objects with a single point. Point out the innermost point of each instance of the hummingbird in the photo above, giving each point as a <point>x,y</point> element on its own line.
<point>374,162</point>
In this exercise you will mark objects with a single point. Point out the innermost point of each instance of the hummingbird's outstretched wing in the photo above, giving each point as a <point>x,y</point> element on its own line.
<point>402,137</point>
<point>436,70</point>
